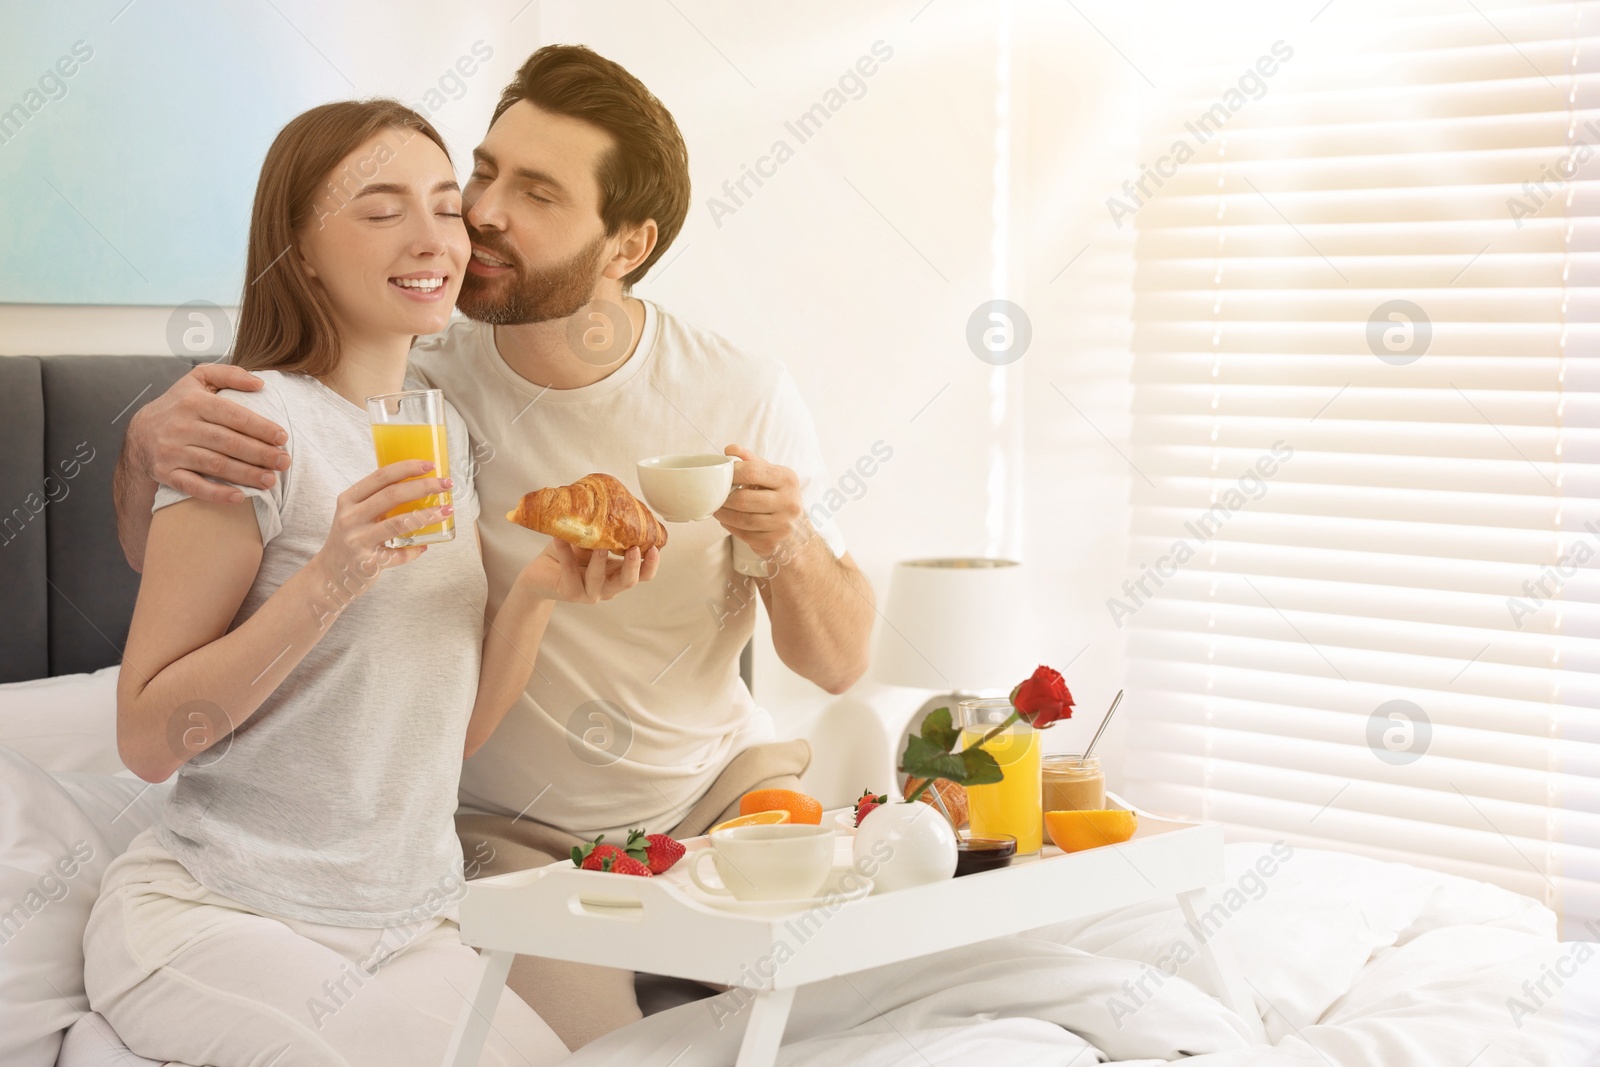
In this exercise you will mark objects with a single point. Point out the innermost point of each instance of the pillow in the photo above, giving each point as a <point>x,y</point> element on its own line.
<point>64,724</point>
<point>119,807</point>
<point>56,840</point>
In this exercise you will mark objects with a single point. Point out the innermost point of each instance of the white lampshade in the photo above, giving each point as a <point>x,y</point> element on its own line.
<point>956,625</point>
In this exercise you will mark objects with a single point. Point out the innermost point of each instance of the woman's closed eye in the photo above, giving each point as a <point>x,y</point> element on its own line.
<point>389,218</point>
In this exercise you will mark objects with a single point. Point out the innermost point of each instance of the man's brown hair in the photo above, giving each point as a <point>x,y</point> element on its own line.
<point>285,319</point>
<point>645,175</point>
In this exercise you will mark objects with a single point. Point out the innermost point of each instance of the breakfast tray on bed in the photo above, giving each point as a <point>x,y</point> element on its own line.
<point>662,926</point>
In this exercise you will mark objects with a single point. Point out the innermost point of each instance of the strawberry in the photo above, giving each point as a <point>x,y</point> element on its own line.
<point>598,856</point>
<point>622,863</point>
<point>660,852</point>
<point>591,854</point>
<point>867,802</point>
<point>602,855</point>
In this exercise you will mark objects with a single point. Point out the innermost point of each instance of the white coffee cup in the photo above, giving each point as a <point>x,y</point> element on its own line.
<point>782,862</point>
<point>686,488</point>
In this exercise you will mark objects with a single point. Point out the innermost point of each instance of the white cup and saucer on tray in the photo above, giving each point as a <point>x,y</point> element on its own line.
<point>765,870</point>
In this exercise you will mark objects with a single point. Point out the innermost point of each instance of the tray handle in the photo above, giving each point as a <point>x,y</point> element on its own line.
<point>1125,806</point>
<point>614,909</point>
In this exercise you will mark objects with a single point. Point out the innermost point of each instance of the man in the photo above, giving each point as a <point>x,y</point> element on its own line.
<point>636,715</point>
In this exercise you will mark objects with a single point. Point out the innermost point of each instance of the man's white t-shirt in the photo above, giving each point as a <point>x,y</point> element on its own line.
<point>636,704</point>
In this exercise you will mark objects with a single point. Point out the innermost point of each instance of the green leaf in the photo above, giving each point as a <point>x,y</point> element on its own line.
<point>938,730</point>
<point>928,754</point>
<point>979,768</point>
<point>950,766</point>
<point>919,753</point>
<point>925,760</point>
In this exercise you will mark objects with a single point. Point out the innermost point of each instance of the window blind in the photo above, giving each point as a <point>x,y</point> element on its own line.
<point>1363,601</point>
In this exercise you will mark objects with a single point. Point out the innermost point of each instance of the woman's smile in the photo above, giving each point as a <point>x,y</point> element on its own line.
<point>424,287</point>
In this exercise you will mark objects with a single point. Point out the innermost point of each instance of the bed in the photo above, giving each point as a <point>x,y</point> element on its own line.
<point>1351,962</point>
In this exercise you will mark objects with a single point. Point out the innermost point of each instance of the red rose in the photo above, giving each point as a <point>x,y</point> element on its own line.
<point>1043,698</point>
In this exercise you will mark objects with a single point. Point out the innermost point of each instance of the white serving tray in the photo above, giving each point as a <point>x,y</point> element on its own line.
<point>658,925</point>
<point>664,929</point>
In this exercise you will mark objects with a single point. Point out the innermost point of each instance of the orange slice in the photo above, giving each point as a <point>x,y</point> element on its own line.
<point>1074,831</point>
<point>758,818</point>
<point>801,808</point>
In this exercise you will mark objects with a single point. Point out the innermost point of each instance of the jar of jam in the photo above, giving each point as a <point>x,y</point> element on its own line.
<point>1072,783</point>
<point>974,855</point>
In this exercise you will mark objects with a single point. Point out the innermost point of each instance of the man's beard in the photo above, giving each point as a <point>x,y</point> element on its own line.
<point>527,295</point>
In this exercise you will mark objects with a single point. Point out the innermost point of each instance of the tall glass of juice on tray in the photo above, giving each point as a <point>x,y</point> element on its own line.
<point>1010,806</point>
<point>410,425</point>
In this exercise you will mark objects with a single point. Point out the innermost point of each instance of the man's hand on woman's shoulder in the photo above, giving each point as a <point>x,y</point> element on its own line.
<point>189,432</point>
<point>183,435</point>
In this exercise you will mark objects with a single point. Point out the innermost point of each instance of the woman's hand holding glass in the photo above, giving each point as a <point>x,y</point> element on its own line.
<point>585,576</point>
<point>356,552</point>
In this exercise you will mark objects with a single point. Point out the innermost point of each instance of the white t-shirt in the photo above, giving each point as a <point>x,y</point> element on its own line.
<point>335,801</point>
<point>636,704</point>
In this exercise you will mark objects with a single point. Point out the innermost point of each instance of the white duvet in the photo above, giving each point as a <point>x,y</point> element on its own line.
<point>1352,963</point>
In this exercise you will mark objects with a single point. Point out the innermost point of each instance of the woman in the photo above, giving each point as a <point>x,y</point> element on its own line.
<point>315,691</point>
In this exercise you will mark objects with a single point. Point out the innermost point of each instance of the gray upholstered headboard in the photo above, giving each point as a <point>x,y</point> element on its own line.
<point>66,592</point>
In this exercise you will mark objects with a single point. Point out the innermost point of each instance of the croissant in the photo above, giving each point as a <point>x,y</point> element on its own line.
<point>596,511</point>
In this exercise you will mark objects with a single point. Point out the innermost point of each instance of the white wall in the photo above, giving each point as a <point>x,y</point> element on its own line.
<point>55,330</point>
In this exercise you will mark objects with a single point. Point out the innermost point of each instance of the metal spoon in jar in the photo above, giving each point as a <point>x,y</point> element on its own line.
<point>1109,712</point>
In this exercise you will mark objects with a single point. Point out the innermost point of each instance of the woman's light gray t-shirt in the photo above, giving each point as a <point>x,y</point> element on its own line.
<point>334,803</point>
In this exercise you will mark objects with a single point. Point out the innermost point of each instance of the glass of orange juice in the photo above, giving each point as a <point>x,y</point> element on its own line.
<point>1012,805</point>
<point>410,425</point>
